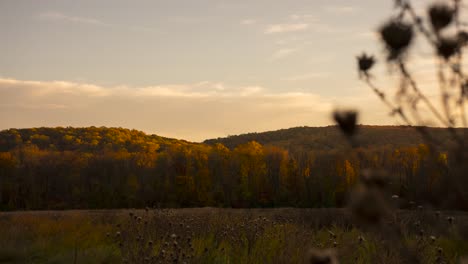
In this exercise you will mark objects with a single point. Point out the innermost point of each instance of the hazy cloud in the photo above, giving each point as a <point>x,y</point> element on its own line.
<point>284,28</point>
<point>282,53</point>
<point>341,9</point>
<point>73,19</point>
<point>57,16</point>
<point>248,22</point>
<point>302,16</point>
<point>307,76</point>
<point>191,111</point>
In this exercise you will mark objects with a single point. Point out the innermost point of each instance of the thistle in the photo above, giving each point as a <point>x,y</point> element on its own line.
<point>365,63</point>
<point>317,256</point>
<point>346,120</point>
<point>447,47</point>
<point>441,15</point>
<point>397,37</point>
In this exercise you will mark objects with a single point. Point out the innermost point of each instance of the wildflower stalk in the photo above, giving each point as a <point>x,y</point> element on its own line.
<point>421,96</point>
<point>381,95</point>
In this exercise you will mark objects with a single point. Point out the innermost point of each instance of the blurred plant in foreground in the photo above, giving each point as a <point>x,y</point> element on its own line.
<point>441,29</point>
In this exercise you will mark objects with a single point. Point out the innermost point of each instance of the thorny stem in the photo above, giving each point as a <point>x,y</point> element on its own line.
<point>398,110</point>
<point>444,93</point>
<point>457,70</point>
<point>449,123</point>
<point>428,138</point>
<point>417,20</point>
<point>462,80</point>
<point>382,97</point>
<point>413,84</point>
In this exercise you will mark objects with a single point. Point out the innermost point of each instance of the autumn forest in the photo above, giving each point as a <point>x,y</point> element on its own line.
<point>99,167</point>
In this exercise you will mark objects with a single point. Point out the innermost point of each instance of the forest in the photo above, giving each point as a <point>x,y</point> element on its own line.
<point>99,167</point>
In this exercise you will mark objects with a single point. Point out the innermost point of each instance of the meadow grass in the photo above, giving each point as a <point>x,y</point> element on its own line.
<point>208,235</point>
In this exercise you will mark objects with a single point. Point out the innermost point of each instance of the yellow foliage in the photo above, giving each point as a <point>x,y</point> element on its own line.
<point>350,173</point>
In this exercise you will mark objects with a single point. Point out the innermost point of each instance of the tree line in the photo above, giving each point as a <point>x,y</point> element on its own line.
<point>64,168</point>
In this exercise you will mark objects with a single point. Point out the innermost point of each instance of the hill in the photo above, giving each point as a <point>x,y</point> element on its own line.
<point>96,139</point>
<point>99,167</point>
<point>330,138</point>
<point>88,139</point>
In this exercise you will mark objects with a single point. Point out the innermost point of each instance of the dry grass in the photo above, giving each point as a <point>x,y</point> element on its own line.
<point>208,235</point>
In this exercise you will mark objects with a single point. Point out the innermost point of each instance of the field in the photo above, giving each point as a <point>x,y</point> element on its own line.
<point>209,235</point>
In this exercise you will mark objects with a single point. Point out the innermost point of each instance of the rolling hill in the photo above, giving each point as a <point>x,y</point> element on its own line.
<point>329,138</point>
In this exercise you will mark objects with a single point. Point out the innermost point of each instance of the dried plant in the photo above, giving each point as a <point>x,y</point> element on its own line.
<point>442,29</point>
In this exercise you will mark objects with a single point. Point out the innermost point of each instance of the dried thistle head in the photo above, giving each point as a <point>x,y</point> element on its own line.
<point>375,179</point>
<point>447,47</point>
<point>441,15</point>
<point>464,260</point>
<point>361,239</point>
<point>397,36</point>
<point>465,89</point>
<point>365,63</point>
<point>462,38</point>
<point>368,205</point>
<point>322,256</point>
<point>450,219</point>
<point>347,121</point>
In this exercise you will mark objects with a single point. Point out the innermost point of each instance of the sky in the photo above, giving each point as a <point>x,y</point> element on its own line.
<point>192,69</point>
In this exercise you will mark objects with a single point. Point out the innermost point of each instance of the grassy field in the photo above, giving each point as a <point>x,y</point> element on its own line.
<point>209,235</point>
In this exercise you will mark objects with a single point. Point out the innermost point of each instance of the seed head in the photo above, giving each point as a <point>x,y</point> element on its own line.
<point>326,256</point>
<point>447,47</point>
<point>365,63</point>
<point>397,37</point>
<point>421,232</point>
<point>462,38</point>
<point>375,178</point>
<point>368,205</point>
<point>346,120</point>
<point>360,239</point>
<point>441,15</point>
<point>450,219</point>
<point>440,250</point>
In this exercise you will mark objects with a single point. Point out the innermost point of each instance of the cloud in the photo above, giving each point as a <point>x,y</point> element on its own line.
<point>282,53</point>
<point>301,16</point>
<point>73,19</point>
<point>191,111</point>
<point>248,22</point>
<point>366,35</point>
<point>341,10</point>
<point>285,28</point>
<point>307,76</point>
<point>57,16</point>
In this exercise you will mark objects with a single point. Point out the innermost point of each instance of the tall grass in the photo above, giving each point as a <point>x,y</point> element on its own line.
<point>209,235</point>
